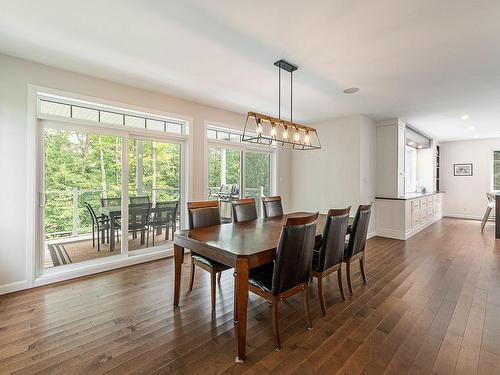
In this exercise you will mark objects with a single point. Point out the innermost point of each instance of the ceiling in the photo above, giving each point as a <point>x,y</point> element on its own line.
<point>428,62</point>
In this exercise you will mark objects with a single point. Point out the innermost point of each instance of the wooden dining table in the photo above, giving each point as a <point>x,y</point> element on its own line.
<point>243,246</point>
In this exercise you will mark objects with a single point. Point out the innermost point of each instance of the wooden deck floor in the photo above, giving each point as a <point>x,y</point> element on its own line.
<point>432,304</point>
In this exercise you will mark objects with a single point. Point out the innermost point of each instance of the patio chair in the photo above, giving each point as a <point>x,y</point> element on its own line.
<point>101,225</point>
<point>164,216</point>
<point>138,200</point>
<point>138,220</point>
<point>111,202</point>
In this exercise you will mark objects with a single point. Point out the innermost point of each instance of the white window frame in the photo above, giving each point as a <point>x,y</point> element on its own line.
<point>242,147</point>
<point>36,125</point>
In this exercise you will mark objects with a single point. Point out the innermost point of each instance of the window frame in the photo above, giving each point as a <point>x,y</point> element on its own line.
<point>492,171</point>
<point>37,122</point>
<point>243,148</point>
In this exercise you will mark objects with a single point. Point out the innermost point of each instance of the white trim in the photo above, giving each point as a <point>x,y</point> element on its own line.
<point>465,217</point>
<point>16,286</point>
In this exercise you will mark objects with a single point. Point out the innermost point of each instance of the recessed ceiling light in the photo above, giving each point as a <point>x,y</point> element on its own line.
<point>471,127</point>
<point>351,90</point>
<point>465,117</point>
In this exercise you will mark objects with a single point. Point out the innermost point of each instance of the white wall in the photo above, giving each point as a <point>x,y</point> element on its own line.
<point>342,173</point>
<point>15,75</point>
<point>466,196</point>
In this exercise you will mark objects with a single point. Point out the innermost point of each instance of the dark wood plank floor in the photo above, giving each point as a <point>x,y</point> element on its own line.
<point>432,305</point>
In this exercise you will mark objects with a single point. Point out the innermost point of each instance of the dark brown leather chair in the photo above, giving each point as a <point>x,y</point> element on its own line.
<point>355,248</point>
<point>330,254</point>
<point>272,206</point>
<point>205,214</point>
<point>289,273</point>
<point>244,210</point>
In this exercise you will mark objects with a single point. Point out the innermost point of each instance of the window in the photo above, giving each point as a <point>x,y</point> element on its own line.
<point>496,170</point>
<point>410,170</point>
<point>231,162</point>
<point>63,107</point>
<point>85,177</point>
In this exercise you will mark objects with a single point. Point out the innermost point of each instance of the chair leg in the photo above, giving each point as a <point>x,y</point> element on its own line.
<point>485,218</point>
<point>191,277</point>
<point>212,289</point>
<point>98,240</point>
<point>321,295</point>
<point>362,267</point>
<point>305,293</point>
<point>219,277</point>
<point>339,279</point>
<point>276,329</point>
<point>93,236</point>
<point>348,274</point>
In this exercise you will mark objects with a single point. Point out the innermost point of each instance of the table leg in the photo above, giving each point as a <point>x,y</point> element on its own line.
<point>112,232</point>
<point>242,301</point>
<point>178,260</point>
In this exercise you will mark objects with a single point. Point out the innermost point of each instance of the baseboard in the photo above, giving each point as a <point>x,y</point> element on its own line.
<point>465,217</point>
<point>14,287</point>
<point>371,234</point>
<point>391,233</point>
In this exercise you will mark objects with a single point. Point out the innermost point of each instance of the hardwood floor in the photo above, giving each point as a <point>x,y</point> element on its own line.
<point>432,305</point>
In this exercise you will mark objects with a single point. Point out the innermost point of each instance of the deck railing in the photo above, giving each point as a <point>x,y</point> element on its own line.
<point>67,206</point>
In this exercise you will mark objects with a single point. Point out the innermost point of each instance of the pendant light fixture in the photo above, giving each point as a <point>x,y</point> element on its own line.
<point>271,131</point>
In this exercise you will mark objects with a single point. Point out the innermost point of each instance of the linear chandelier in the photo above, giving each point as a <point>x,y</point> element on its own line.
<point>271,131</point>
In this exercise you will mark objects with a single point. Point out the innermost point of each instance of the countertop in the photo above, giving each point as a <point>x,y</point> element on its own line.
<point>408,196</point>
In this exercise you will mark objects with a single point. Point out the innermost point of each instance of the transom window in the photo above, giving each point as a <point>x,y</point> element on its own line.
<point>80,110</point>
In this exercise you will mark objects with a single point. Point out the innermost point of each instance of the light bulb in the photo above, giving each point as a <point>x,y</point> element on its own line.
<point>285,133</point>
<point>259,128</point>
<point>273,131</point>
<point>306,138</point>
<point>296,137</point>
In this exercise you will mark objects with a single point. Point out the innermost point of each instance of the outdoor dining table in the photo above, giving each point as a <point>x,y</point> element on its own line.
<point>114,213</point>
<point>243,246</point>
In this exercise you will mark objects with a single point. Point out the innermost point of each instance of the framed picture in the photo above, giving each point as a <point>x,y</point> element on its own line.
<point>462,169</point>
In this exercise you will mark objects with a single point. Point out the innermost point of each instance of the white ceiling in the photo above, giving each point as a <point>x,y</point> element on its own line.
<point>427,61</point>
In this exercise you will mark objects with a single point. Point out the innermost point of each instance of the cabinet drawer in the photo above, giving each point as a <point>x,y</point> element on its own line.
<point>415,219</point>
<point>430,201</point>
<point>415,205</point>
<point>423,203</point>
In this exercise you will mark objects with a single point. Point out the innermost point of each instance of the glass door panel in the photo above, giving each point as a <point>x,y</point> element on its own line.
<point>82,191</point>
<point>154,193</point>
<point>257,176</point>
<point>224,169</point>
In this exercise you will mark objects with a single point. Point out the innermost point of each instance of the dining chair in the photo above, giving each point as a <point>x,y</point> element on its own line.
<point>138,220</point>
<point>330,254</point>
<point>164,217</point>
<point>100,225</point>
<point>289,273</point>
<point>244,210</point>
<point>272,206</point>
<point>355,247</point>
<point>140,199</point>
<point>205,214</point>
<point>491,207</point>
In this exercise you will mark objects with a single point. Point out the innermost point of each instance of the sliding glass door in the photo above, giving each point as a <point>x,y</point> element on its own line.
<point>81,170</point>
<point>257,176</point>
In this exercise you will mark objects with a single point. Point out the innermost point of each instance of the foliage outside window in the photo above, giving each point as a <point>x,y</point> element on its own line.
<point>496,170</point>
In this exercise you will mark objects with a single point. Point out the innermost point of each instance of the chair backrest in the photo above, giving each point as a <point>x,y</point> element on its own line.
<point>91,212</point>
<point>272,206</point>
<point>244,210</point>
<point>111,202</point>
<point>166,211</point>
<point>359,231</point>
<point>331,251</point>
<point>139,213</point>
<point>137,200</point>
<point>203,214</point>
<point>294,253</point>
<point>491,199</point>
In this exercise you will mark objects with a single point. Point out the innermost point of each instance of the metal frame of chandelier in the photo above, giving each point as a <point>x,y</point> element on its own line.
<point>272,131</point>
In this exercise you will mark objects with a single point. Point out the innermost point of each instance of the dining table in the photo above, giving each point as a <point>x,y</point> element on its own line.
<point>242,246</point>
